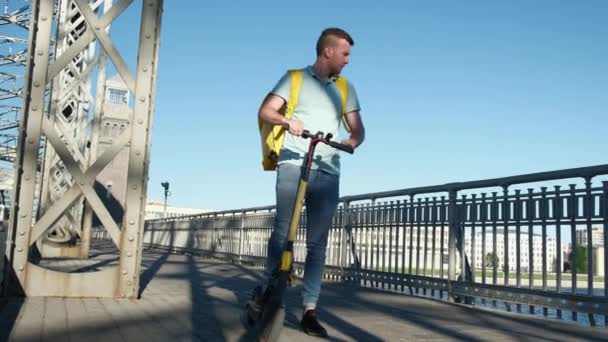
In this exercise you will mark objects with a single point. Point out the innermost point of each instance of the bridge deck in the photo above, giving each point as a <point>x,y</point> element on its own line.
<point>187,298</point>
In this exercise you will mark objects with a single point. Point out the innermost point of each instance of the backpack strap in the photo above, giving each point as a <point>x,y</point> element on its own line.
<point>294,92</point>
<point>342,85</point>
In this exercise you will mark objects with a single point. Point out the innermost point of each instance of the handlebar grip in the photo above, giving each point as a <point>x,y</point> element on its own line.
<point>342,147</point>
<point>307,135</point>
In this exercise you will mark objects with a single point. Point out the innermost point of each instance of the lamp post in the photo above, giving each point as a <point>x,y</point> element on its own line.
<point>165,185</point>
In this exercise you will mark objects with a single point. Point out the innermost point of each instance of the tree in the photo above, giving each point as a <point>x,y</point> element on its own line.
<point>490,260</point>
<point>581,260</point>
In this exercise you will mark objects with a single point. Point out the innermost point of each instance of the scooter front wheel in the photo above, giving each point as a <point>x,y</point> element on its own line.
<point>271,324</point>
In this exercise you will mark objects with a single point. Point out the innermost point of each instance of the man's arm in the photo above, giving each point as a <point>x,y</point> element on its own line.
<point>269,112</point>
<point>357,131</point>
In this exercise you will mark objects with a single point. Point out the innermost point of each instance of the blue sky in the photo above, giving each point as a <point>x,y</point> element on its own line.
<point>450,91</point>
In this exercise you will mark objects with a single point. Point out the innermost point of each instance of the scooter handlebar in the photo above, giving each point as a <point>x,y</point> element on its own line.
<point>307,135</point>
<point>341,147</point>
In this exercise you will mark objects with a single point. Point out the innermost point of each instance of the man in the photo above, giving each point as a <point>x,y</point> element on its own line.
<point>319,108</point>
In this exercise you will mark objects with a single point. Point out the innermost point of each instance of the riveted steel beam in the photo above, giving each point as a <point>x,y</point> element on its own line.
<point>83,167</point>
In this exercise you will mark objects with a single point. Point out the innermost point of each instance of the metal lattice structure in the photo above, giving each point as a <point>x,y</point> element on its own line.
<point>25,228</point>
<point>71,102</point>
<point>14,22</point>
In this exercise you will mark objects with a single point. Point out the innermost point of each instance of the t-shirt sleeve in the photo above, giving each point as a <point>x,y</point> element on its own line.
<point>352,102</point>
<point>283,87</point>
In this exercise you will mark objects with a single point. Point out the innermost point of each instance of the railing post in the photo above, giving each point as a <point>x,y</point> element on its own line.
<point>604,212</point>
<point>452,248</point>
<point>213,235</point>
<point>343,242</point>
<point>241,237</point>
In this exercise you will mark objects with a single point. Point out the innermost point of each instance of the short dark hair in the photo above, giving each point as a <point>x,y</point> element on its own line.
<point>326,38</point>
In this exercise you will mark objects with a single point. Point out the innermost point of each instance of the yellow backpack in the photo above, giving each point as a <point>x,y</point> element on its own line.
<point>273,135</point>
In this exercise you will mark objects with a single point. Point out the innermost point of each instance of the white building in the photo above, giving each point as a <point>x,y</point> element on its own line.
<point>537,251</point>
<point>597,237</point>
<point>156,210</point>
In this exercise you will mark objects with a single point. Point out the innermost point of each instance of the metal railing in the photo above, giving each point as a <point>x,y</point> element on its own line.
<point>526,242</point>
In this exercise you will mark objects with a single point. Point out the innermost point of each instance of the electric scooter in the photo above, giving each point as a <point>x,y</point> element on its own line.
<point>265,312</point>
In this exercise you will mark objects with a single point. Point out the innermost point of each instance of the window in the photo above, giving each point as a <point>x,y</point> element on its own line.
<point>117,96</point>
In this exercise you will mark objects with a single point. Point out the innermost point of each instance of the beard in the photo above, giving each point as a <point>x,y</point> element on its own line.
<point>335,71</point>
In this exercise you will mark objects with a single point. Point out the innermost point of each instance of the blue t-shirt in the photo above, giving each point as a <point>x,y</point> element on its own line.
<point>320,109</point>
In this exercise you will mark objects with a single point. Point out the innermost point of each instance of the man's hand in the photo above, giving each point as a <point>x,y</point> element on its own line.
<point>295,127</point>
<point>351,142</point>
<point>357,131</point>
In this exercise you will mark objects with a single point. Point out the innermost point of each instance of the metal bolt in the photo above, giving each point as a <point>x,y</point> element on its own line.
<point>23,215</point>
<point>31,141</point>
<point>40,52</point>
<point>134,187</point>
<point>129,282</point>
<point>34,108</point>
<point>43,18</point>
<point>22,233</point>
<point>124,272</point>
<point>81,182</point>
<point>27,177</point>
<point>132,222</point>
<point>36,84</point>
<point>596,306</point>
<point>97,28</point>
<point>20,267</point>
<point>19,249</point>
<point>142,99</point>
<point>131,238</point>
<point>140,121</point>
<point>129,254</point>
<point>148,36</point>
<point>137,153</point>
<point>144,69</point>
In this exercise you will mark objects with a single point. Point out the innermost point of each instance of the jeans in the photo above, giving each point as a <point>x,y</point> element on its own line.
<point>321,201</point>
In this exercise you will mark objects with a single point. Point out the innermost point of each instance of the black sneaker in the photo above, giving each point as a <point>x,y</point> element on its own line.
<point>311,325</point>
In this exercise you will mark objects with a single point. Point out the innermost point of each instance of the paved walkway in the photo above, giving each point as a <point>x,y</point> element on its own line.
<point>188,298</point>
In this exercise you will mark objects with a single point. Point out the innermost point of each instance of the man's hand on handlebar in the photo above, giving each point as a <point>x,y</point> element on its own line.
<point>350,142</point>
<point>294,126</point>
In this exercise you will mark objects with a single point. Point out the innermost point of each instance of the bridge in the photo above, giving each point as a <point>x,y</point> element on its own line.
<point>193,297</point>
<point>515,258</point>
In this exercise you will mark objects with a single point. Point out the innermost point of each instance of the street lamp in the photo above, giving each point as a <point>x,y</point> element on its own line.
<point>165,185</point>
